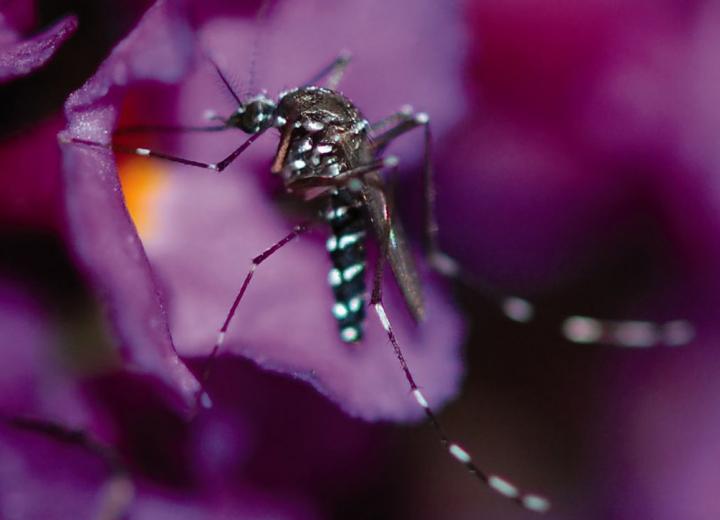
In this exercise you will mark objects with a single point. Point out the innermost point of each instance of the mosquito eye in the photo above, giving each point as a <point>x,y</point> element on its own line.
<point>256,116</point>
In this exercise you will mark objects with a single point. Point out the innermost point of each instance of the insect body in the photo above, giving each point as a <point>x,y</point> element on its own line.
<point>326,151</point>
<point>323,137</point>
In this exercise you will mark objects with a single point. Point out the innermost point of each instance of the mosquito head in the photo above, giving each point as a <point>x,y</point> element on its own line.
<point>254,115</point>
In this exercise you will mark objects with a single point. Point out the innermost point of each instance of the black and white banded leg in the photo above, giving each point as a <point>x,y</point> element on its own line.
<point>203,398</point>
<point>621,333</point>
<point>172,129</point>
<point>499,485</point>
<point>333,72</point>
<point>146,152</point>
<point>578,329</point>
<point>393,119</point>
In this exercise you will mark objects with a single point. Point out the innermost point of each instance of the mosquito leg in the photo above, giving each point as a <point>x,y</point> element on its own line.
<point>408,122</point>
<point>167,129</point>
<point>497,484</point>
<point>334,72</point>
<point>204,399</point>
<point>401,115</point>
<point>119,490</point>
<point>145,152</point>
<point>628,333</point>
<point>384,239</point>
<point>578,329</point>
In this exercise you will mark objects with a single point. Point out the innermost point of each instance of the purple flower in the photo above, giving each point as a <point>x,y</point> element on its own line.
<point>19,57</point>
<point>37,384</point>
<point>581,140</point>
<point>30,197</point>
<point>31,383</point>
<point>98,217</point>
<point>79,435</point>
<point>43,477</point>
<point>589,133</point>
<point>199,230</point>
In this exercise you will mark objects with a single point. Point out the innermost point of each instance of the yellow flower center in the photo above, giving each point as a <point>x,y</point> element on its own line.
<point>142,180</point>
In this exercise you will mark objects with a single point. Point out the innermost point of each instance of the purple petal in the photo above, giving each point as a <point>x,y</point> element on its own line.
<point>243,440</point>
<point>591,140</point>
<point>30,177</point>
<point>40,477</point>
<point>661,452</point>
<point>44,478</point>
<point>153,504</point>
<point>237,447</point>
<point>502,174</point>
<point>17,16</point>
<point>659,100</point>
<point>20,58</point>
<point>105,239</point>
<point>33,382</point>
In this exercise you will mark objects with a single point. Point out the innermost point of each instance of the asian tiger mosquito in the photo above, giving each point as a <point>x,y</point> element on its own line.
<point>329,152</point>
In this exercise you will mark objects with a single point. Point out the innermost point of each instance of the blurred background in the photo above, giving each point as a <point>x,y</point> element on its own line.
<point>577,170</point>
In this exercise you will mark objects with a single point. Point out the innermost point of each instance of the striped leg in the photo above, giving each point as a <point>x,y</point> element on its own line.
<point>621,333</point>
<point>203,398</point>
<point>497,484</point>
<point>170,129</point>
<point>334,72</point>
<point>578,329</point>
<point>529,501</point>
<point>393,119</point>
<point>145,152</point>
<point>119,490</point>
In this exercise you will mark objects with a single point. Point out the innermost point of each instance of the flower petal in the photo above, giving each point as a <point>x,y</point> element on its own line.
<point>20,58</point>
<point>33,382</point>
<point>104,237</point>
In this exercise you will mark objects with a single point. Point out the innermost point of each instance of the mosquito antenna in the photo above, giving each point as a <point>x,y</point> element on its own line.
<point>260,20</point>
<point>226,82</point>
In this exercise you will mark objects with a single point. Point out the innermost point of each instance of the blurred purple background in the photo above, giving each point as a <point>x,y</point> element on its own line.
<point>575,148</point>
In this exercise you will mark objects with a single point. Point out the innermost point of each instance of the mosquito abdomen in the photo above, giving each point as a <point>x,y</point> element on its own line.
<point>346,247</point>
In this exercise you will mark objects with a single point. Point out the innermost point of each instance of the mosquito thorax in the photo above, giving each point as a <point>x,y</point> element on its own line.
<point>254,115</point>
<point>319,104</point>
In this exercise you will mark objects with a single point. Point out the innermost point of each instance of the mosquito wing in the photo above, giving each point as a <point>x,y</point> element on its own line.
<point>387,228</point>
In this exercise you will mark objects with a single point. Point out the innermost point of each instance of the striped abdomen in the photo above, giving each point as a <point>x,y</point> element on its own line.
<point>346,246</point>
